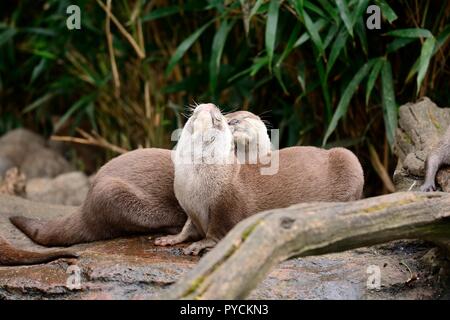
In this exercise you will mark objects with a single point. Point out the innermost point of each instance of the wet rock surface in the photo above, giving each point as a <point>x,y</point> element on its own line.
<point>133,268</point>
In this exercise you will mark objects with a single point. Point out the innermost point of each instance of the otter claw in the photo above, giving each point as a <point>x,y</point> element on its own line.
<point>166,241</point>
<point>197,247</point>
<point>427,188</point>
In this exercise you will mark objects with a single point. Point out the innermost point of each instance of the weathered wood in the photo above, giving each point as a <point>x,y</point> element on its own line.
<point>247,254</point>
<point>420,126</point>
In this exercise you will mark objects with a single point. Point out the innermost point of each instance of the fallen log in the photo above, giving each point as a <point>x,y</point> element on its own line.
<point>247,254</point>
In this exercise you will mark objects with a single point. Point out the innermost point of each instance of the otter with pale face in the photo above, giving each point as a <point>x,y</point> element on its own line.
<point>218,193</point>
<point>250,136</point>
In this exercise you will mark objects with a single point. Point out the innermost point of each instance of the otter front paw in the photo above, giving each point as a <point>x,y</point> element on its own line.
<point>197,247</point>
<point>428,187</point>
<point>168,240</point>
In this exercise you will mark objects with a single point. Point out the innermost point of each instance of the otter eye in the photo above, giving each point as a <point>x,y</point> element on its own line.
<point>232,122</point>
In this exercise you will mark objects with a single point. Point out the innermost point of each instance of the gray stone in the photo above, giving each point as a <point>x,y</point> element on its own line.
<point>68,189</point>
<point>30,153</point>
<point>44,163</point>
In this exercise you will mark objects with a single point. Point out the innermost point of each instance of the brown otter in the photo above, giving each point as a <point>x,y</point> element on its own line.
<point>132,193</point>
<point>439,156</point>
<point>217,192</point>
<point>12,256</point>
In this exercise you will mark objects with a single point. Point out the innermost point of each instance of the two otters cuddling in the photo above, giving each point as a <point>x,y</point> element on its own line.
<point>204,188</point>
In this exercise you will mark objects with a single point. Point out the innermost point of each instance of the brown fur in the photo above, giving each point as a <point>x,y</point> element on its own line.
<point>438,157</point>
<point>12,256</point>
<point>232,192</point>
<point>132,193</point>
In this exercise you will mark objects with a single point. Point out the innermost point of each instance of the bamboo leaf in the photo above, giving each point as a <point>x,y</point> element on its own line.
<point>290,44</point>
<point>359,11</point>
<point>216,53</point>
<point>387,11</point>
<point>424,61</point>
<point>38,102</point>
<point>82,102</point>
<point>271,29</point>
<point>323,77</point>
<point>389,104</point>
<point>410,33</point>
<point>184,46</point>
<point>338,44</point>
<point>440,40</point>
<point>373,77</point>
<point>160,13</point>
<point>7,35</point>
<point>314,8</point>
<point>344,102</point>
<point>345,16</point>
<point>398,43</point>
<point>313,32</point>
<point>332,13</point>
<point>255,9</point>
<point>329,37</point>
<point>319,25</point>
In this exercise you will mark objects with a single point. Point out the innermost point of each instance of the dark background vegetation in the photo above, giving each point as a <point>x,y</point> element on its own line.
<point>311,68</point>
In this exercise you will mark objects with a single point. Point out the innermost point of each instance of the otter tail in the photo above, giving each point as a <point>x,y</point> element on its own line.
<point>12,256</point>
<point>58,232</point>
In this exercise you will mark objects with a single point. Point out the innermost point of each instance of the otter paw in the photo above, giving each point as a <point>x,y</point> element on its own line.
<point>428,187</point>
<point>167,240</point>
<point>197,247</point>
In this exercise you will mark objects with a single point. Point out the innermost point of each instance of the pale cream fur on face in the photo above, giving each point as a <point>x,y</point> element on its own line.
<point>207,140</point>
<point>250,136</point>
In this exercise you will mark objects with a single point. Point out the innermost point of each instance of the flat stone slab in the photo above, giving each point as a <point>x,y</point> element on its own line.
<point>133,268</point>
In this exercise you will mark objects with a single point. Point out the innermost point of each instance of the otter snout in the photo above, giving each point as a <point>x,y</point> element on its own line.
<point>207,116</point>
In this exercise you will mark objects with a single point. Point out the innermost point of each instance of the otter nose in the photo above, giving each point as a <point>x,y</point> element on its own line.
<point>206,107</point>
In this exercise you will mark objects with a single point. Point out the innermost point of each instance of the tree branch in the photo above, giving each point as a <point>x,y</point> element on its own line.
<point>248,253</point>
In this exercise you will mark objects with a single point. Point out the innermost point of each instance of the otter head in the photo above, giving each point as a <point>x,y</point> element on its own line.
<point>250,135</point>
<point>206,137</point>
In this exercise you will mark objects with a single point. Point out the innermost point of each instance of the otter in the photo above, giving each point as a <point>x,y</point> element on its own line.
<point>438,156</point>
<point>132,193</point>
<point>12,256</point>
<point>217,192</point>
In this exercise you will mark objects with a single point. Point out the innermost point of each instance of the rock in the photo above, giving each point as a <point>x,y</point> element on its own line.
<point>68,189</point>
<point>420,126</point>
<point>443,179</point>
<point>5,165</point>
<point>30,153</point>
<point>44,163</point>
<point>133,268</point>
<point>13,183</point>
